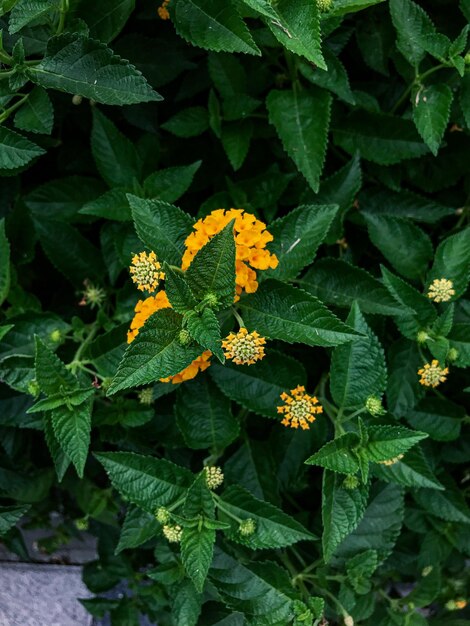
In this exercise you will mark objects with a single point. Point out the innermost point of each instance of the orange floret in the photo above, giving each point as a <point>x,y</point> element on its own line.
<point>144,309</point>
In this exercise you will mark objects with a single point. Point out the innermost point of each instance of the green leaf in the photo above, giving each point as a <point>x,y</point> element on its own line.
<point>459,338</point>
<point>338,455</point>
<point>340,284</point>
<point>259,590</point>
<point>115,156</point>
<point>189,122</point>
<point>9,516</point>
<point>155,353</point>
<point>284,312</point>
<point>138,528</point>
<point>431,113</point>
<point>379,137</point>
<point>212,270</point>
<point>358,369</point>
<point>72,429</point>
<point>197,548</point>
<point>112,205</point>
<point>332,77</point>
<point>145,481</point>
<point>412,470</point>
<point>438,417</point>
<point>16,150</point>
<point>426,589</point>
<point>409,298</point>
<point>405,204</point>
<point>413,26</point>
<point>162,227</point>
<point>170,183</point>
<point>203,24</point>
<point>452,261</point>
<point>448,505</point>
<point>78,65</point>
<point>59,458</point>
<point>37,113</point>
<point>204,328</point>
<point>388,442</point>
<point>379,528</point>
<point>61,199</point>
<point>204,416</point>
<point>389,233</point>
<point>236,139</point>
<point>297,237</point>
<point>4,263</point>
<point>106,19</point>
<point>186,605</point>
<point>343,7</point>
<point>303,135</point>
<point>26,11</point>
<point>179,294</point>
<point>465,98</point>
<point>258,387</point>
<point>273,527</point>
<point>360,568</point>
<point>69,398</point>
<point>342,510</point>
<point>403,388</point>
<point>51,374</point>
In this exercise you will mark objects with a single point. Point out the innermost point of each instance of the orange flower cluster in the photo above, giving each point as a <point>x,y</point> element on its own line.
<point>251,238</point>
<point>198,365</point>
<point>144,309</point>
<point>162,11</point>
<point>299,408</point>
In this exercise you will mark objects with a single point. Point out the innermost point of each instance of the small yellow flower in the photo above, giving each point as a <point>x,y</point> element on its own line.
<point>392,461</point>
<point>173,533</point>
<point>432,374</point>
<point>244,348</point>
<point>145,396</point>
<point>146,271</point>
<point>299,408</point>
<point>441,290</point>
<point>214,477</point>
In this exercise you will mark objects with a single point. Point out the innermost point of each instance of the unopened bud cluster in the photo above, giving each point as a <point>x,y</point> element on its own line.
<point>173,533</point>
<point>214,477</point>
<point>247,527</point>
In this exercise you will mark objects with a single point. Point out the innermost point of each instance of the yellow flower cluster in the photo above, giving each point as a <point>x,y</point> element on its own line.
<point>144,309</point>
<point>432,374</point>
<point>146,271</point>
<point>299,408</point>
<point>251,238</point>
<point>173,533</point>
<point>244,348</point>
<point>441,290</point>
<point>162,10</point>
<point>198,365</point>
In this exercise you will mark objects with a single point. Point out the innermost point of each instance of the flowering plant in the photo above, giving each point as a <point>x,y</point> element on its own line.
<point>235,312</point>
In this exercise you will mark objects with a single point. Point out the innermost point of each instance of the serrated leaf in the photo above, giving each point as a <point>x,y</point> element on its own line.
<point>204,24</point>
<point>338,455</point>
<point>236,139</point>
<point>26,11</point>
<point>258,387</point>
<point>107,19</point>
<point>447,505</point>
<point>389,233</point>
<point>4,263</point>
<point>72,430</point>
<point>155,353</point>
<point>59,458</point>
<point>410,298</point>
<point>70,398</point>
<point>358,369</point>
<point>204,416</point>
<point>333,77</point>
<point>162,227</point>
<point>284,312</point>
<point>197,548</point>
<point>37,113</point>
<point>16,150</point>
<point>62,198</point>
<point>115,156</point>
<point>212,270</point>
<point>51,374</point>
<point>252,467</point>
<point>87,67</point>
<point>139,527</point>
<point>388,442</point>
<point>459,338</point>
<point>342,510</point>
<point>412,470</point>
<point>343,7</point>
<point>204,328</point>
<point>403,388</point>
<point>189,122</point>
<point>413,26</point>
<point>431,112</point>
<point>341,284</point>
<point>186,605</point>
<point>112,205</point>
<point>170,183</point>
<point>303,135</point>
<point>145,481</point>
<point>177,289</point>
<point>9,516</point>
<point>273,527</point>
<point>438,417</point>
<point>405,204</point>
<point>452,261</point>
<point>297,237</point>
<point>360,568</point>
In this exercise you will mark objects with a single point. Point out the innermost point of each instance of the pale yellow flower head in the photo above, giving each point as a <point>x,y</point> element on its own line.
<point>432,374</point>
<point>441,290</point>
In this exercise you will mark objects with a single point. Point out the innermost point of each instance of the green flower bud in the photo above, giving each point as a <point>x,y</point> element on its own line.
<point>422,336</point>
<point>467,58</point>
<point>374,406</point>
<point>453,354</point>
<point>324,5</point>
<point>82,523</point>
<point>351,482</point>
<point>76,99</point>
<point>247,527</point>
<point>55,336</point>
<point>184,337</point>
<point>426,571</point>
<point>162,515</point>
<point>33,388</point>
<point>146,396</point>
<point>211,300</point>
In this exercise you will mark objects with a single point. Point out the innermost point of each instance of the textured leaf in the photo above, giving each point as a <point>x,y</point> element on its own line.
<point>204,328</point>
<point>438,417</point>
<point>179,294</point>
<point>403,388</point>
<point>138,528</point>
<point>16,150</point>
<point>146,481</point>
<point>186,605</point>
<point>72,429</point>
<point>236,139</point>
<point>413,26</point>
<point>155,353</point>
<point>83,66</point>
<point>212,270</point>
<point>274,528</point>
<point>360,568</point>
<point>37,113</point>
<point>252,467</point>
<point>459,338</point>
<point>162,227</point>
<point>297,237</point>
<point>115,156</point>
<point>189,122</point>
<point>303,135</point>
<point>112,205</point>
<point>4,263</point>
<point>338,455</point>
<point>197,547</point>
<point>204,416</point>
<point>388,442</point>
<point>411,471</point>
<point>283,312</point>
<point>448,505</point>
<point>204,24</point>
<point>9,516</point>
<point>343,7</point>
<point>170,183</point>
<point>342,510</point>
<point>389,233</point>
<point>404,204</point>
<point>61,199</point>
<point>452,261</point>
<point>258,387</point>
<point>338,283</point>
<point>409,297</point>
<point>51,374</point>
<point>358,369</point>
<point>59,458</point>
<point>106,19</point>
<point>26,11</point>
<point>332,77</point>
<point>431,113</point>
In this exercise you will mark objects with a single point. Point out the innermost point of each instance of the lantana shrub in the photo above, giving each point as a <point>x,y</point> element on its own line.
<point>235,317</point>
